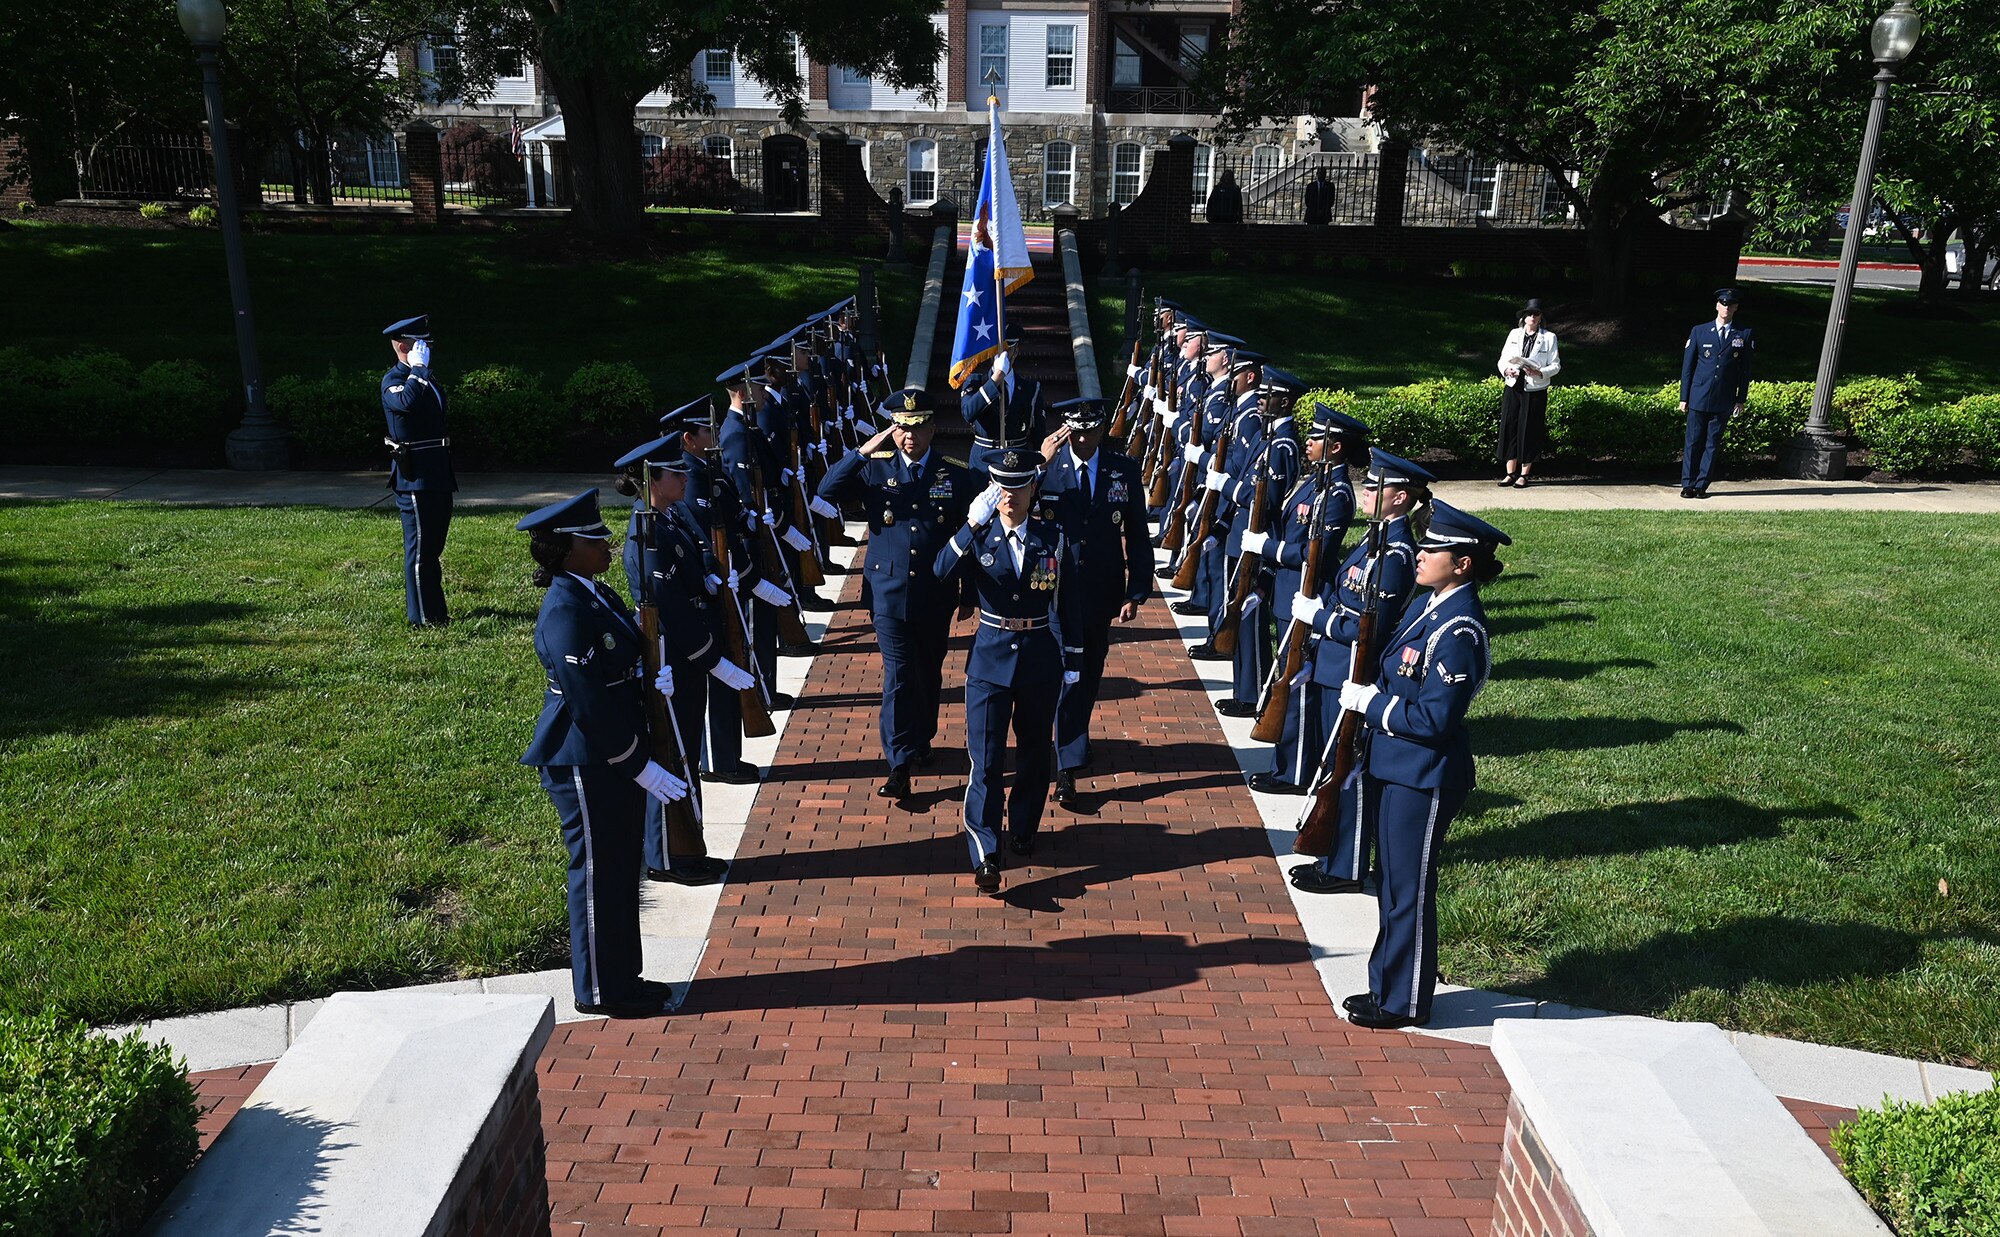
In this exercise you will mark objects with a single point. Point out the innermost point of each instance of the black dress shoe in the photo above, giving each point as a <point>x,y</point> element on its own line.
<point>1163,573</point>
<point>1237,708</point>
<point>742,773</point>
<point>1701,493</point>
<point>813,601</point>
<point>1187,607</point>
<point>1376,1018</point>
<point>1309,878</point>
<point>1065,789</point>
<point>782,701</point>
<point>1360,1000</point>
<point>1272,784</point>
<point>897,784</point>
<point>687,874</point>
<point>631,1007</point>
<point>921,757</point>
<point>1022,843</point>
<point>1687,491</point>
<point>790,649</point>
<point>706,863</point>
<point>1207,652</point>
<point>986,877</point>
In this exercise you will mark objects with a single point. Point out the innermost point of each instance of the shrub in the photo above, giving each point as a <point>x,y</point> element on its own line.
<point>1576,274</point>
<point>686,176</point>
<point>1774,413</point>
<point>1931,1170</point>
<point>1288,260</point>
<point>1594,422</point>
<point>508,414</point>
<point>1322,397</point>
<point>1979,420</point>
<point>697,230</point>
<point>1502,270</point>
<point>202,216</point>
<point>336,416</point>
<point>26,207</point>
<point>1395,266</point>
<point>1918,440</point>
<point>1218,258</point>
<point>1327,262</point>
<point>177,402</point>
<point>1858,401</point>
<point>1460,418</point>
<point>863,243</point>
<point>1462,269</point>
<point>1160,254</point>
<point>94,1132</point>
<point>1542,272</point>
<point>1260,260</point>
<point>1355,262</point>
<point>611,395</point>
<point>153,210</point>
<point>472,156</point>
<point>91,396</point>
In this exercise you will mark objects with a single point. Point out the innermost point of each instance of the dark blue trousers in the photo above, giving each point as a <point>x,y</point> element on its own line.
<point>1297,753</point>
<point>1402,970</point>
<point>989,708</point>
<point>1254,633</point>
<point>689,708</point>
<point>764,637</point>
<point>1701,455</point>
<point>1079,699</point>
<point>913,649</point>
<point>426,522</point>
<point>603,814</point>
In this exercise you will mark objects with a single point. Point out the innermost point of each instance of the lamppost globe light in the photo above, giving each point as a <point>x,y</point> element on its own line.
<point>203,21</point>
<point>1895,33</point>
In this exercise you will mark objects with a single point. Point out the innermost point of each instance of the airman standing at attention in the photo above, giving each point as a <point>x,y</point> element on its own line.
<point>419,467</point>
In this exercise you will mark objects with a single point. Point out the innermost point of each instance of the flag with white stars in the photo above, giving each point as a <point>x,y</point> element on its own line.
<point>997,264</point>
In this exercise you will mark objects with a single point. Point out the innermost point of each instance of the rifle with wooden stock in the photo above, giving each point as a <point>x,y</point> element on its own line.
<point>1276,699</point>
<point>811,574</point>
<point>683,815</point>
<point>1249,566</point>
<point>1320,820</point>
<point>1121,420</point>
<point>1204,516</point>
<point>1161,478</point>
<point>755,708</point>
<point>771,559</point>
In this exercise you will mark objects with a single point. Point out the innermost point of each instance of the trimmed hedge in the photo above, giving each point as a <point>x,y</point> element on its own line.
<point>335,416</point>
<point>100,398</point>
<point>1930,1170</point>
<point>611,395</point>
<point>505,412</point>
<point>94,1132</point>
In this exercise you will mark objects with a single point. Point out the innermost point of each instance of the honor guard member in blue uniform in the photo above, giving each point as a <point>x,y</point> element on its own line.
<point>1318,511</point>
<point>745,454</point>
<point>1098,497</point>
<point>1715,383</point>
<point>1394,489</point>
<point>419,467</point>
<point>1274,466</point>
<point>711,500</point>
<point>1232,407</point>
<point>1204,365</point>
<point>1418,768</point>
<point>1016,563</point>
<point>1182,385</point>
<point>590,744</point>
<point>782,418</point>
<point>666,565</point>
<point>1003,409</point>
<point>914,500</point>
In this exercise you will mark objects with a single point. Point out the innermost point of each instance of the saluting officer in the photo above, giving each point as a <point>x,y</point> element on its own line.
<point>419,467</point>
<point>1395,488</point>
<point>1318,512</point>
<point>590,745</point>
<point>913,499</point>
<point>1715,383</point>
<point>1004,409</point>
<point>1419,766</point>
<point>1273,467</point>
<point>1020,658</point>
<point>667,561</point>
<point>1098,497</point>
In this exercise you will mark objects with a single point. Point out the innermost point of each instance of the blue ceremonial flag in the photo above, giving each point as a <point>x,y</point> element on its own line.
<point>997,264</point>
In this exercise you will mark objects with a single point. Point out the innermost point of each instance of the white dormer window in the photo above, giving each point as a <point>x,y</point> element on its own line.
<point>716,65</point>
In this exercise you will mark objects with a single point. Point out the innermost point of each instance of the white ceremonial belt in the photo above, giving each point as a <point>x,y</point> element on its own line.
<point>1013,624</point>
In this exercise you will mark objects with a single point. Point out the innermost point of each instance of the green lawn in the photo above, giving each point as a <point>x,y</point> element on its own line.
<point>493,298</point>
<point>1368,334</point>
<point>1726,762</point>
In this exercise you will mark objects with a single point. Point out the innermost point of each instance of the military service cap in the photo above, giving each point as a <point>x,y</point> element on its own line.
<point>576,516</point>
<point>663,452</point>
<point>1014,467</point>
<point>418,327</point>
<point>909,407</point>
<point>1085,413</point>
<point>1387,469</point>
<point>1460,531</point>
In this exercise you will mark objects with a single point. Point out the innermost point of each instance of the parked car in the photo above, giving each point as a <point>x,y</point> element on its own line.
<point>1954,265</point>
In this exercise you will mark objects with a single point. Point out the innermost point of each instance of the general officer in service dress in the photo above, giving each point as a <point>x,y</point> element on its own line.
<point>1715,385</point>
<point>419,467</point>
<point>1015,562</point>
<point>914,500</point>
<point>1098,497</point>
<point>591,747</point>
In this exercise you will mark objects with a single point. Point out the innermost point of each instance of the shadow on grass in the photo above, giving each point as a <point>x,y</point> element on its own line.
<point>1630,828</point>
<point>1779,950</point>
<point>1513,624</point>
<point>1522,736</point>
<point>1562,670</point>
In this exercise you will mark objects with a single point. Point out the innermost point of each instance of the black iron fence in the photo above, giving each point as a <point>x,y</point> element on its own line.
<point>148,167</point>
<point>1261,186</point>
<point>775,176</point>
<point>1464,191</point>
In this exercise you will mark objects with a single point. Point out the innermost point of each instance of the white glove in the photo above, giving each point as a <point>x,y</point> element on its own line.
<point>1208,545</point>
<point>663,682</point>
<point>1307,609</point>
<point>820,447</point>
<point>866,427</point>
<point>984,506</point>
<point>874,371</point>
<point>660,784</point>
<point>770,519</point>
<point>1216,480</point>
<point>1072,677</point>
<point>1003,363</point>
<point>1192,453</point>
<point>822,508</point>
<point>771,594</point>
<point>1160,406</point>
<point>735,580</point>
<point>1356,697</point>
<point>420,353</point>
<point>1133,371</point>
<point>784,476</point>
<point>798,540</point>
<point>1254,543</point>
<point>714,584</point>
<point>1151,394</point>
<point>750,519</point>
<point>731,675</point>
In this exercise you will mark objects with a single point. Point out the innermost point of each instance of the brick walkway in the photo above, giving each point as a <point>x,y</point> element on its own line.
<point>1132,1041</point>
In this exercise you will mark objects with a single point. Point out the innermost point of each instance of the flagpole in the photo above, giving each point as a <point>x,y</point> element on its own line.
<point>992,230</point>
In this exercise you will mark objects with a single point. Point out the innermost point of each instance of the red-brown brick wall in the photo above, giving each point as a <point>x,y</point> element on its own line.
<point>1533,1199</point>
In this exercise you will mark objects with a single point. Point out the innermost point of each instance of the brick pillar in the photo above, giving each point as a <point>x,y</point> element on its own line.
<point>848,204</point>
<point>816,87</point>
<point>16,186</point>
<point>423,165</point>
<point>955,30</point>
<point>1095,71</point>
<point>1392,178</point>
<point>1176,192</point>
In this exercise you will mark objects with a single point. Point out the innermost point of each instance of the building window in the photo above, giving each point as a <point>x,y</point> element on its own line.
<point>716,65</point>
<point>1058,174</point>
<point>511,64</point>
<point>1194,44</point>
<point>444,58</point>
<point>993,52</point>
<point>852,77</point>
<point>385,163</point>
<point>1204,167</point>
<point>1264,162</point>
<point>1062,57</point>
<point>651,145</point>
<point>922,188</point>
<point>720,147</point>
<point>1124,65</point>
<point>1127,161</point>
<point>1482,186</point>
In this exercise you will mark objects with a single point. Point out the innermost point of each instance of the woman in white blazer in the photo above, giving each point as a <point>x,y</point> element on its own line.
<point>1527,361</point>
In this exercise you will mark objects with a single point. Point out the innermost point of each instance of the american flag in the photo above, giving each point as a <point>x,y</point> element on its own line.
<point>514,142</point>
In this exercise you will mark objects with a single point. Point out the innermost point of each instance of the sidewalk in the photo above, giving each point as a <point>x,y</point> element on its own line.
<point>220,487</point>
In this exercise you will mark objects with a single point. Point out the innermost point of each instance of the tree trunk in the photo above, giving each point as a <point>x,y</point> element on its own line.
<point>1972,272</point>
<point>1932,284</point>
<point>1607,239</point>
<point>599,122</point>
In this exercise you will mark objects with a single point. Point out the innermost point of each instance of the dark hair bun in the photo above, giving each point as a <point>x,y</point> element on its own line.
<point>626,483</point>
<point>1486,569</point>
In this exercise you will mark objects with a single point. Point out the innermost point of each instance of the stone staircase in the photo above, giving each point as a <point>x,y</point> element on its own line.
<point>1045,355</point>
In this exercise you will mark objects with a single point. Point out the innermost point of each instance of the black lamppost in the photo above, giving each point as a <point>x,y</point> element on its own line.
<point>258,443</point>
<point>1816,454</point>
